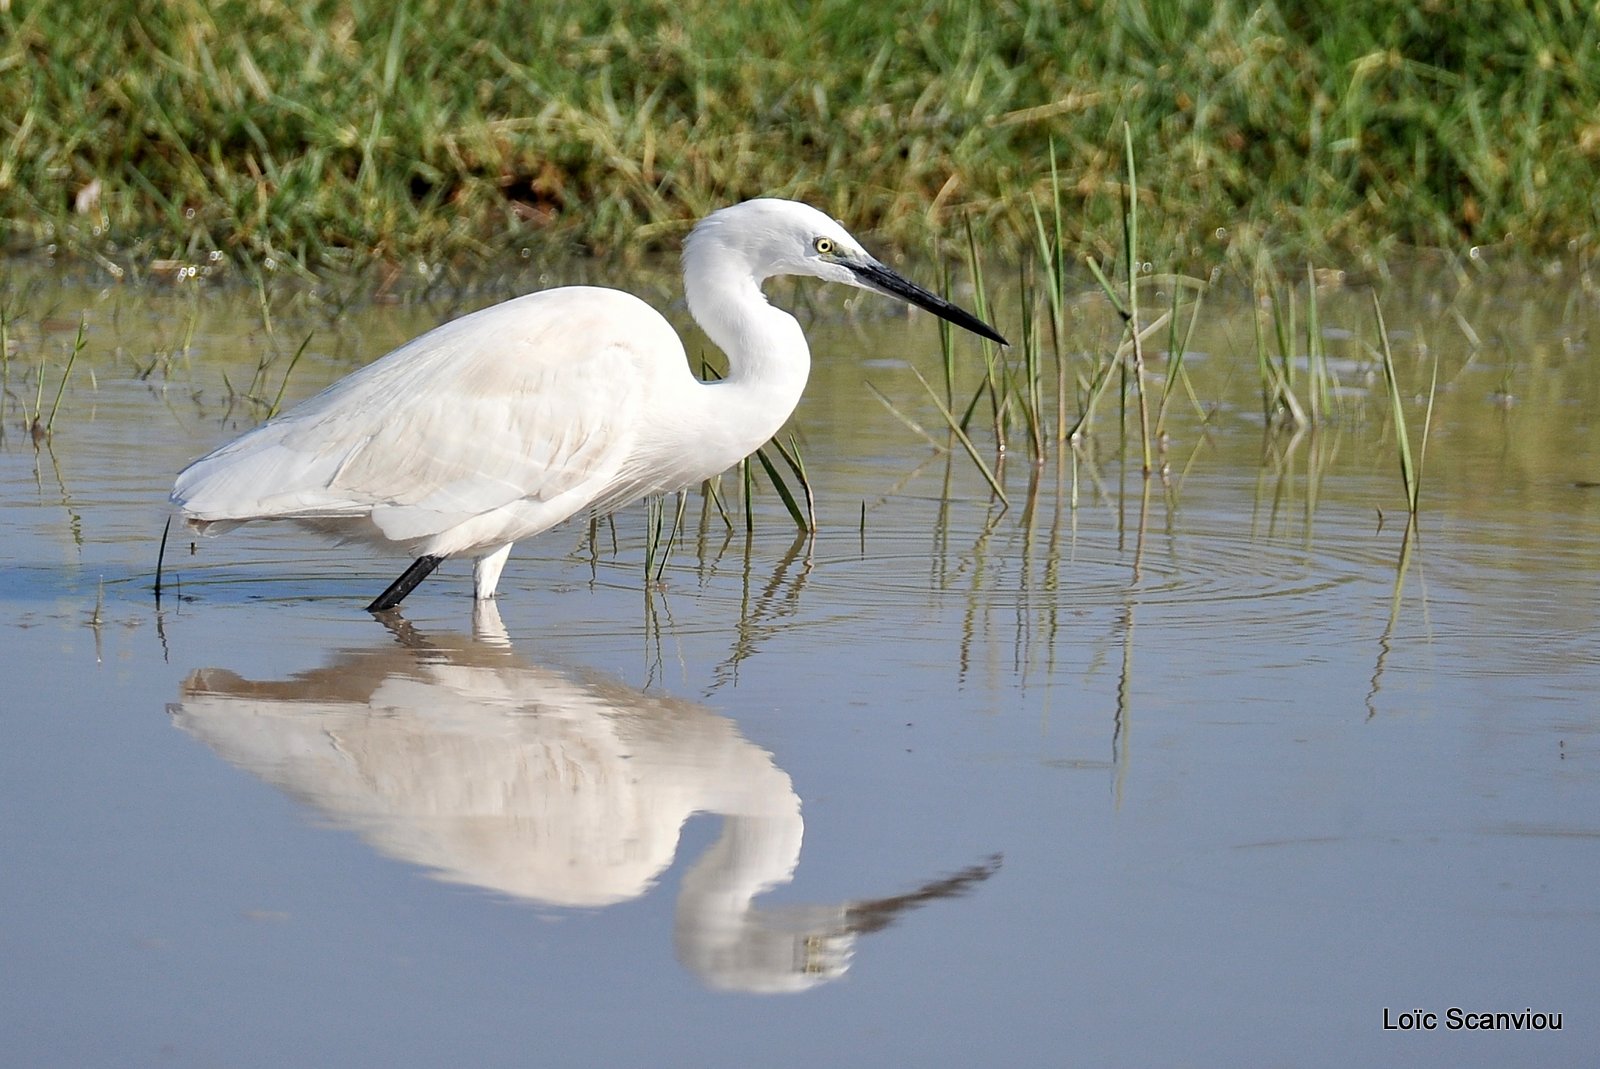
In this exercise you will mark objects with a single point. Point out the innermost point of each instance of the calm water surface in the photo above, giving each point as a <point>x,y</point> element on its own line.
<point>1217,769</point>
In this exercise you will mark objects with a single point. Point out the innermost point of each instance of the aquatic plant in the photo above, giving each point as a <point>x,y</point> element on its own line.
<point>41,427</point>
<point>1410,468</point>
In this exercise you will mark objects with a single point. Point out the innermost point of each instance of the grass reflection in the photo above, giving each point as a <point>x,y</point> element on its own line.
<point>1408,543</point>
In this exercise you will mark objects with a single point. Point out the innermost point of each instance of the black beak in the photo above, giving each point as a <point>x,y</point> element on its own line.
<point>876,276</point>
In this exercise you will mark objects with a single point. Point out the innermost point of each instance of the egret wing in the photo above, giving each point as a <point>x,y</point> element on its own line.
<point>535,399</point>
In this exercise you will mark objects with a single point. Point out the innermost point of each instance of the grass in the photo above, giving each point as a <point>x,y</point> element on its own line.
<point>78,343</point>
<point>1273,302</point>
<point>39,425</point>
<point>1299,389</point>
<point>1016,382</point>
<point>1410,466</point>
<point>309,136</point>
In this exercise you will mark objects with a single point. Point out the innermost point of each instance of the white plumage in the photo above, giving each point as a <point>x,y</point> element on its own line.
<point>501,424</point>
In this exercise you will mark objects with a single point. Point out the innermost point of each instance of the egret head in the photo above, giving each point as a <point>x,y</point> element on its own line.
<point>770,237</point>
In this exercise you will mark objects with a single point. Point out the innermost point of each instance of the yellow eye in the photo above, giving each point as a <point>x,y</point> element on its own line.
<point>823,245</point>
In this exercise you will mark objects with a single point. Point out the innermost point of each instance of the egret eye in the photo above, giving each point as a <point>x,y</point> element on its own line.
<point>823,246</point>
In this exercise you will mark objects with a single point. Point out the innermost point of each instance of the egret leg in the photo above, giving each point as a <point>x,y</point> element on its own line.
<point>486,572</point>
<point>420,569</point>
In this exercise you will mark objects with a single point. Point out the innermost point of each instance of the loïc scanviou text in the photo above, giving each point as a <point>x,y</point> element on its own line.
<point>1456,1018</point>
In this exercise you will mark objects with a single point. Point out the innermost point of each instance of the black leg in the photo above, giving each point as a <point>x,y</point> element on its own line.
<point>420,569</point>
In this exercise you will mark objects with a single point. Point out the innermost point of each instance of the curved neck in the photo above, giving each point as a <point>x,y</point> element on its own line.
<point>768,360</point>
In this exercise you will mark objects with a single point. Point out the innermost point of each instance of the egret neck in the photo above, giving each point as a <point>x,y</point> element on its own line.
<point>768,359</point>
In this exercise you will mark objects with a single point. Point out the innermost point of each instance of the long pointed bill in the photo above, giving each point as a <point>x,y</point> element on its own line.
<point>875,276</point>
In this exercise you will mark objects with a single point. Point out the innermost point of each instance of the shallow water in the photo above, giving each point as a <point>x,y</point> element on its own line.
<point>1214,769</point>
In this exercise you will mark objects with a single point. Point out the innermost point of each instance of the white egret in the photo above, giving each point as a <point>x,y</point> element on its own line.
<point>501,424</point>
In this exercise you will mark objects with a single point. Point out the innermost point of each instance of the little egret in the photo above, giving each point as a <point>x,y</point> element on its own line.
<point>501,424</point>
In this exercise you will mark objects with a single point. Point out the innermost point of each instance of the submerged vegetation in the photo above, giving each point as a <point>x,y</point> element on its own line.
<point>320,135</point>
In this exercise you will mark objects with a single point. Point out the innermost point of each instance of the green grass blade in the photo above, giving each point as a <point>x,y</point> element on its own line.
<point>77,347</point>
<point>966,443</point>
<point>914,426</point>
<point>1408,473</point>
<point>284,385</point>
<point>791,457</point>
<point>779,485</point>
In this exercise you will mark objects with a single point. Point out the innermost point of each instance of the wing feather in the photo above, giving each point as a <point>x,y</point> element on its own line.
<point>536,399</point>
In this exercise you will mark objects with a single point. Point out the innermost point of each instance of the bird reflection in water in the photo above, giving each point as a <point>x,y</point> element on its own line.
<point>453,754</point>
